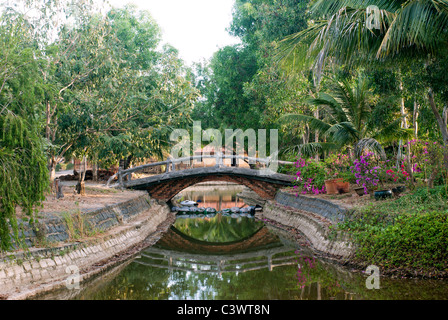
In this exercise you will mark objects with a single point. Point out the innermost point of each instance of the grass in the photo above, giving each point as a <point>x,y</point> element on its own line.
<point>101,190</point>
<point>77,226</point>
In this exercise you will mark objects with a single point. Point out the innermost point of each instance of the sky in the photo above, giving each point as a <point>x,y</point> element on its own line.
<point>197,28</point>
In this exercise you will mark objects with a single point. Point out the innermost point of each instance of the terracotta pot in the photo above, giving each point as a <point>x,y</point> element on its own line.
<point>330,186</point>
<point>342,187</point>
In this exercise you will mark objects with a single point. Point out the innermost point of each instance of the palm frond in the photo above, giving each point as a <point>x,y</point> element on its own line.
<point>314,148</point>
<point>343,133</point>
<point>417,24</point>
<point>314,123</point>
<point>369,144</point>
<point>331,105</point>
<point>393,132</point>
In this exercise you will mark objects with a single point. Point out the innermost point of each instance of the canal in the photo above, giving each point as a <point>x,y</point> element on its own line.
<point>226,256</point>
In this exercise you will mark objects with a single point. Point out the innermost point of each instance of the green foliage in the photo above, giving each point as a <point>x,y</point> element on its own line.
<point>23,171</point>
<point>23,175</point>
<point>406,234</point>
<point>311,176</point>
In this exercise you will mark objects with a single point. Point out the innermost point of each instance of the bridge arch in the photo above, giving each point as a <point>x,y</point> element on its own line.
<point>166,186</point>
<point>167,191</point>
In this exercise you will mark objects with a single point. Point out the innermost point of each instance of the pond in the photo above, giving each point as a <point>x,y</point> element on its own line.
<point>237,257</point>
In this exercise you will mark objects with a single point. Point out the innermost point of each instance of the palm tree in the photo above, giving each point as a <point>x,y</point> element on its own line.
<point>347,109</point>
<point>408,28</point>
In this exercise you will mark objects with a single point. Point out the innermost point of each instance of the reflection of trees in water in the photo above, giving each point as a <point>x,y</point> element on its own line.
<point>219,228</point>
<point>220,198</point>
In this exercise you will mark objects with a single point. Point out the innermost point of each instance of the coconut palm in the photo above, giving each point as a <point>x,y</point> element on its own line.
<point>407,28</point>
<point>347,108</point>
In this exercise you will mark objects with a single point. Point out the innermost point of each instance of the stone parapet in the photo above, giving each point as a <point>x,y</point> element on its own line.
<point>313,219</point>
<point>322,207</point>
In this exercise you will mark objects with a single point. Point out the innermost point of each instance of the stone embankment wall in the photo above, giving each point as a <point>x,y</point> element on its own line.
<point>312,217</point>
<point>123,227</point>
<point>54,227</point>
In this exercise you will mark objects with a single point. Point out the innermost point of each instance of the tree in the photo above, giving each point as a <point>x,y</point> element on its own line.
<point>348,107</point>
<point>23,172</point>
<point>120,96</point>
<point>232,67</point>
<point>408,29</point>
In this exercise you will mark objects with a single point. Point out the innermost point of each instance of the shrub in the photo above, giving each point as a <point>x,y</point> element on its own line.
<point>69,166</point>
<point>310,176</point>
<point>336,165</point>
<point>414,240</point>
<point>366,174</point>
<point>408,233</point>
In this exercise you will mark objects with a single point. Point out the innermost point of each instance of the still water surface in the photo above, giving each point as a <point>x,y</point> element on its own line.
<point>223,257</point>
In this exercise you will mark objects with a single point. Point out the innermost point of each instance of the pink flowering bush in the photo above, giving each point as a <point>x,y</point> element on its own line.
<point>310,177</point>
<point>336,165</point>
<point>426,160</point>
<point>366,172</point>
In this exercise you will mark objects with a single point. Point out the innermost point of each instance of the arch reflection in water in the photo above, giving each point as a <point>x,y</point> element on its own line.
<point>219,228</point>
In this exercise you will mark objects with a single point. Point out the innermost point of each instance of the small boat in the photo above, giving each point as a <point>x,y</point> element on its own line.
<point>210,210</point>
<point>174,209</point>
<point>189,203</point>
<point>194,209</point>
<point>184,209</point>
<point>227,210</point>
<point>200,209</point>
<point>245,210</point>
<point>258,208</point>
<point>235,210</point>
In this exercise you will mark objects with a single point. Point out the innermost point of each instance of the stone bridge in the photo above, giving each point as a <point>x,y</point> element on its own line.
<point>165,186</point>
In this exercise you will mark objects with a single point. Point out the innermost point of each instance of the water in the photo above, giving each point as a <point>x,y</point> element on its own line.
<point>237,258</point>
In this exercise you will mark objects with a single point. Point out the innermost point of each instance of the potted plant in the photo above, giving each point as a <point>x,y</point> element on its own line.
<point>336,165</point>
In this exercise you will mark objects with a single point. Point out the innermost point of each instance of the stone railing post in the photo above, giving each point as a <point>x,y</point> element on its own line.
<point>219,160</point>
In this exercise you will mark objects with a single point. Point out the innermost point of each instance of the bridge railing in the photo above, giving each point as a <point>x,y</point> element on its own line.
<point>170,164</point>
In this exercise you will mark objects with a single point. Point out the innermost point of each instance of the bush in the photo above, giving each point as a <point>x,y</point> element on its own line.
<point>310,176</point>
<point>408,233</point>
<point>414,240</point>
<point>69,166</point>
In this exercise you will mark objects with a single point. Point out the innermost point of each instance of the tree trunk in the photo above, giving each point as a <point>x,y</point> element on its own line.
<point>404,125</point>
<point>95,168</point>
<point>415,118</point>
<point>52,168</point>
<point>80,187</point>
<point>440,121</point>
<point>316,134</point>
